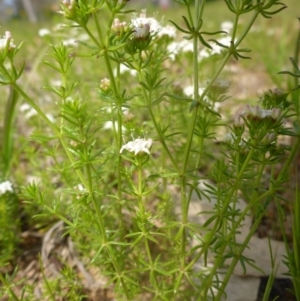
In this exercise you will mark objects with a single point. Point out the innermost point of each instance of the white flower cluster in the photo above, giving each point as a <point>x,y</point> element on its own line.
<point>175,48</point>
<point>138,146</point>
<point>3,42</point>
<point>260,113</point>
<point>141,31</point>
<point>6,186</point>
<point>151,24</point>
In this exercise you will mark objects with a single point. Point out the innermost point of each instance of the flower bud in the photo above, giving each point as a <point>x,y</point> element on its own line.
<point>276,113</point>
<point>104,84</point>
<point>118,26</point>
<point>7,39</point>
<point>238,121</point>
<point>269,138</point>
<point>220,86</point>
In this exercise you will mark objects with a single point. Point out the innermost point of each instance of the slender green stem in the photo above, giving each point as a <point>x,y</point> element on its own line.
<point>49,288</point>
<point>144,218</point>
<point>8,128</point>
<point>197,166</point>
<point>183,183</point>
<point>288,162</point>
<point>118,103</point>
<point>161,137</point>
<point>100,223</point>
<point>148,98</point>
<point>142,211</point>
<point>8,123</point>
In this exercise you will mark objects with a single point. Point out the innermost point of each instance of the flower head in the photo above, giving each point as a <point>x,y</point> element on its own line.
<point>7,38</point>
<point>143,25</point>
<point>105,84</point>
<point>259,113</point>
<point>138,146</point>
<point>6,186</point>
<point>175,48</point>
<point>141,31</point>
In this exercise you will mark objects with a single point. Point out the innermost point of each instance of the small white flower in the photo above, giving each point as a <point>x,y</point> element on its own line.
<point>80,187</point>
<point>168,30</point>
<point>110,125</point>
<point>44,32</point>
<point>138,146</point>
<point>4,40</point>
<point>124,69</point>
<point>6,186</point>
<point>226,26</point>
<point>81,190</point>
<point>70,42</point>
<point>176,47</point>
<point>25,107</point>
<point>27,110</point>
<point>189,91</point>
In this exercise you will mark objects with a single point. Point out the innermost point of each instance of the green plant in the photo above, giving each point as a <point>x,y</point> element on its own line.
<point>114,196</point>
